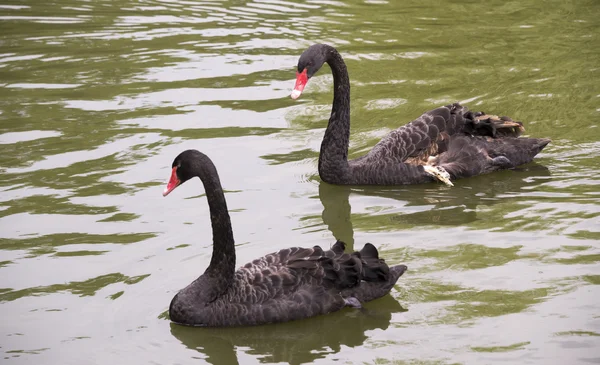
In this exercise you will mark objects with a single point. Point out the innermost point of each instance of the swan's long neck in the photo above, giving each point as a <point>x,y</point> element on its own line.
<point>222,264</point>
<point>333,159</point>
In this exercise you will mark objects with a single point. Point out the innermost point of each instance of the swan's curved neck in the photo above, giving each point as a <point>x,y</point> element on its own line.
<point>333,158</point>
<point>222,264</point>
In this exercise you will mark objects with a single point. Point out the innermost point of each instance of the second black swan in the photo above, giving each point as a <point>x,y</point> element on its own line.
<point>443,144</point>
<point>291,284</point>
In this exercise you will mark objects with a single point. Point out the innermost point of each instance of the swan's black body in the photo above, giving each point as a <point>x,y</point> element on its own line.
<point>461,142</point>
<point>291,284</point>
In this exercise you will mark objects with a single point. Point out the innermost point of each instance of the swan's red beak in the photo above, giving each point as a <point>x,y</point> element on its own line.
<point>301,80</point>
<point>173,182</point>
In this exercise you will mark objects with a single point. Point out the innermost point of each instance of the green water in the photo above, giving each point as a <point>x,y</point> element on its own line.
<point>98,97</point>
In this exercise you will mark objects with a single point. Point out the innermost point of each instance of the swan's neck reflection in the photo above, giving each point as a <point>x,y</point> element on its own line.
<point>428,204</point>
<point>337,211</point>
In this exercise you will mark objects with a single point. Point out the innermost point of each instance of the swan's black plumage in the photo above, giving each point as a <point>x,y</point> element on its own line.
<point>461,142</point>
<point>290,284</point>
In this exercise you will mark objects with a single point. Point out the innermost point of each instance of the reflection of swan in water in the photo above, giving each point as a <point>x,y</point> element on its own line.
<point>337,211</point>
<point>435,204</point>
<point>295,342</point>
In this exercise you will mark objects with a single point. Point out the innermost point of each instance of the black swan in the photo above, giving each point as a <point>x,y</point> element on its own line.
<point>291,284</point>
<point>446,143</point>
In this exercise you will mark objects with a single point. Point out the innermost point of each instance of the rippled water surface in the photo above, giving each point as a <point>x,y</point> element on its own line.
<point>98,97</point>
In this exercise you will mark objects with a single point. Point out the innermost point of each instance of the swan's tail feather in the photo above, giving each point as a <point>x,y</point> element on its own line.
<point>517,150</point>
<point>348,269</point>
<point>370,290</point>
<point>397,271</point>
<point>369,251</point>
<point>470,156</point>
<point>374,268</point>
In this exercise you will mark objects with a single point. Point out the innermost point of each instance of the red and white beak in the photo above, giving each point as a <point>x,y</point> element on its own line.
<point>173,182</point>
<point>301,80</point>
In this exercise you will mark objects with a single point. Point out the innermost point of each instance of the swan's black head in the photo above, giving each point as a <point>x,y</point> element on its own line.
<point>309,63</point>
<point>183,169</point>
<point>312,59</point>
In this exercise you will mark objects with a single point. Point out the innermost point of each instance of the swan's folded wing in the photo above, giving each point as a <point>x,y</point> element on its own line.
<point>293,271</point>
<point>374,268</point>
<point>332,268</point>
<point>293,267</point>
<point>421,138</point>
<point>284,272</point>
<point>343,270</point>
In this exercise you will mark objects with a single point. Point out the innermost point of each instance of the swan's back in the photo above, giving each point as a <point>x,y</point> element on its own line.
<point>462,142</point>
<point>430,134</point>
<point>282,273</point>
<point>297,283</point>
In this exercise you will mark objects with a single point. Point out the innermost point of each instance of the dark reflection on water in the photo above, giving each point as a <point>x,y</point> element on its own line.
<point>337,212</point>
<point>297,342</point>
<point>457,206</point>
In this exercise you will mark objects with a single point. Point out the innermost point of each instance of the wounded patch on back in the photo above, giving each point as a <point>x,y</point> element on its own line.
<point>495,126</point>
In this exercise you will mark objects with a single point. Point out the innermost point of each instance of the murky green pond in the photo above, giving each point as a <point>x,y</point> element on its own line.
<point>98,97</point>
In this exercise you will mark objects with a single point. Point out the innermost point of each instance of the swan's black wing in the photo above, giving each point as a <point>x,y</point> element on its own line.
<point>290,268</point>
<point>430,134</point>
<point>343,270</point>
<point>284,272</point>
